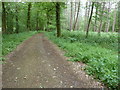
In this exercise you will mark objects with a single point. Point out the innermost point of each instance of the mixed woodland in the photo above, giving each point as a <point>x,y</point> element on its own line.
<point>86,31</point>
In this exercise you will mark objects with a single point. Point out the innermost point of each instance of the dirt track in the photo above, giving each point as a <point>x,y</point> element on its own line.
<point>38,63</point>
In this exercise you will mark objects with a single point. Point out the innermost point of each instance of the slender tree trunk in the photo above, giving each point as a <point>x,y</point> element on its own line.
<point>58,19</point>
<point>3,18</point>
<point>108,24</point>
<point>75,12</point>
<point>68,18</point>
<point>85,23</point>
<point>88,14</point>
<point>74,27</point>
<point>101,24</point>
<point>118,39</point>
<point>101,20</point>
<point>96,13</point>
<point>28,16</point>
<point>119,17</point>
<point>71,18</point>
<point>17,22</point>
<point>47,14</point>
<point>114,21</point>
<point>87,31</point>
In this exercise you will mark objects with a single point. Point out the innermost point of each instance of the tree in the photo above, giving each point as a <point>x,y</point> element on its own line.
<point>87,31</point>
<point>96,13</point>
<point>101,17</point>
<point>71,18</point>
<point>114,20</point>
<point>28,16</point>
<point>119,16</point>
<point>3,17</point>
<point>49,9</point>
<point>10,17</point>
<point>75,11</point>
<point>17,23</point>
<point>58,19</point>
<point>77,16</point>
<point>108,24</point>
<point>87,14</point>
<point>85,19</point>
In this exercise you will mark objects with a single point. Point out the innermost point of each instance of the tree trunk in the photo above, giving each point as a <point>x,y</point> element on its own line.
<point>74,27</point>
<point>71,18</point>
<point>17,22</point>
<point>118,38</point>
<point>88,14</point>
<point>114,21</point>
<point>58,19</point>
<point>108,24</point>
<point>101,22</point>
<point>75,12</point>
<point>96,13</point>
<point>119,16</point>
<point>87,31</point>
<point>3,18</point>
<point>28,17</point>
<point>85,23</point>
<point>47,14</point>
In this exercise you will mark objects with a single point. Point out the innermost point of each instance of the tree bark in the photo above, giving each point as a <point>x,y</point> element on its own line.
<point>71,18</point>
<point>75,12</point>
<point>108,24</point>
<point>3,18</point>
<point>114,21</point>
<point>74,27</point>
<point>58,19</point>
<point>17,22</point>
<point>119,16</point>
<point>85,23</point>
<point>28,17</point>
<point>87,31</point>
<point>88,14</point>
<point>96,13</point>
<point>101,20</point>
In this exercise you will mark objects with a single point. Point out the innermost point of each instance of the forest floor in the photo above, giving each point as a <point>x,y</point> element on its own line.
<point>38,63</point>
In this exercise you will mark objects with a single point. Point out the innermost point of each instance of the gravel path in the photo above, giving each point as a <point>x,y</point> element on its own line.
<point>38,63</point>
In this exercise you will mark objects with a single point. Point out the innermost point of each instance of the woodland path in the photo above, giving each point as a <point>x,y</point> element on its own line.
<point>38,63</point>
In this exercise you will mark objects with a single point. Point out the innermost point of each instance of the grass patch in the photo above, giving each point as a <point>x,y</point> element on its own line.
<point>100,53</point>
<point>10,41</point>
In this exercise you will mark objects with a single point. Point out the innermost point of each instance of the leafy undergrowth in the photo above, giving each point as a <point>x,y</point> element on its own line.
<point>10,41</point>
<point>98,52</point>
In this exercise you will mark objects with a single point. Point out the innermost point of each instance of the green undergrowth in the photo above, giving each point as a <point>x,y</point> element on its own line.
<point>100,53</point>
<point>10,41</point>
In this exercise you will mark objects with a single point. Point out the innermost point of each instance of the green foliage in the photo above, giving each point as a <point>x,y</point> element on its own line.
<point>10,41</point>
<point>2,59</point>
<point>51,27</point>
<point>99,53</point>
<point>42,16</point>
